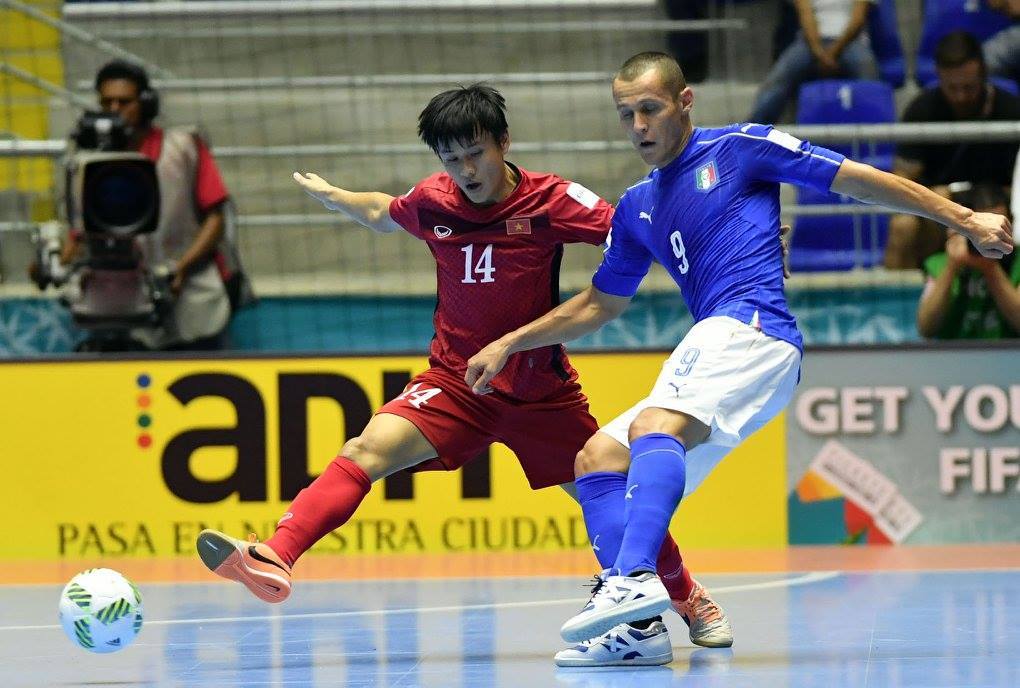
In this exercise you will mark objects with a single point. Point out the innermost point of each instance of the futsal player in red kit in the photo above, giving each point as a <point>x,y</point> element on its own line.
<point>497,233</point>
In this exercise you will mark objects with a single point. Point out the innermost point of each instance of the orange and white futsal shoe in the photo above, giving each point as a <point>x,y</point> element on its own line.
<point>252,563</point>
<point>708,624</point>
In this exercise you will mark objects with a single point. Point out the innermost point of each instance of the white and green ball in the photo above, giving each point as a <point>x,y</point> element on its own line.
<point>101,610</point>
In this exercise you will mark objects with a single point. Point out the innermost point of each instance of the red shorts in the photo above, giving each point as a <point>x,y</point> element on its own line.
<point>546,436</point>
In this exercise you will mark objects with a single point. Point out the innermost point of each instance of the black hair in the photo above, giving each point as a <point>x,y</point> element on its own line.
<point>122,69</point>
<point>461,114</point>
<point>148,98</point>
<point>670,74</point>
<point>956,49</point>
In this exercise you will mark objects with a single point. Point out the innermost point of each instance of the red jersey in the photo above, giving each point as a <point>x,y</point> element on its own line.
<point>498,269</point>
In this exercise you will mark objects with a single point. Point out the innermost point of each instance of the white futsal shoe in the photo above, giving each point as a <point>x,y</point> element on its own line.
<point>622,646</point>
<point>616,600</point>
<point>708,623</point>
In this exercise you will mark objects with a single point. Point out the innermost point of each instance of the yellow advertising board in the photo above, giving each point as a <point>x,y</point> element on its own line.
<point>133,458</point>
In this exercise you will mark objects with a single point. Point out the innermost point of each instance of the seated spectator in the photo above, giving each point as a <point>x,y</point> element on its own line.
<point>689,48</point>
<point>1002,51</point>
<point>830,45</point>
<point>967,296</point>
<point>963,94</point>
<point>1014,199</point>
<point>787,28</point>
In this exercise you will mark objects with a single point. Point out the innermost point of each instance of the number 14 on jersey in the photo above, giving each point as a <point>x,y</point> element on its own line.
<point>483,267</point>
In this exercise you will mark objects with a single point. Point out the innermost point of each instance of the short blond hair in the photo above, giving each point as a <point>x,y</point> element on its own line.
<point>670,74</point>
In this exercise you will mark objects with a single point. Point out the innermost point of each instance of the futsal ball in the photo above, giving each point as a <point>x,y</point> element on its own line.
<point>101,610</point>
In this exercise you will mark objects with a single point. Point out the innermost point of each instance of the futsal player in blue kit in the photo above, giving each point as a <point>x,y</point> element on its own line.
<point>709,213</point>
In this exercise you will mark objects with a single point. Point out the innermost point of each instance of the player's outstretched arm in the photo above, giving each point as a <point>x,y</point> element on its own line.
<point>371,208</point>
<point>584,313</point>
<point>991,234</point>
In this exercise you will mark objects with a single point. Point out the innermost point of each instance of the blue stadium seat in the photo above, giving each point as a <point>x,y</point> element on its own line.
<point>945,16</point>
<point>842,242</point>
<point>1006,84</point>
<point>884,34</point>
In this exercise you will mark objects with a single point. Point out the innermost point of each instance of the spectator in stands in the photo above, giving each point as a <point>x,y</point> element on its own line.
<point>191,223</point>
<point>787,28</point>
<point>1002,51</point>
<point>830,44</point>
<point>689,48</point>
<point>967,296</point>
<point>1015,198</point>
<point>963,94</point>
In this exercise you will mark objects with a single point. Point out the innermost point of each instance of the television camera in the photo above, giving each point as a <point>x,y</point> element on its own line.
<point>113,198</point>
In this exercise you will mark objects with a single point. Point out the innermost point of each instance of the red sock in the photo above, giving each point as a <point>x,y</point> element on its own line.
<point>672,572</point>
<point>320,508</point>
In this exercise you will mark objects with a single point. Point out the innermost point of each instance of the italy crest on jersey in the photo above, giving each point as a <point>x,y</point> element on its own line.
<point>705,177</point>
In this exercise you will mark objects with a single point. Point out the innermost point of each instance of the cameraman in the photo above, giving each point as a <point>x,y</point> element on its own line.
<point>967,296</point>
<point>191,220</point>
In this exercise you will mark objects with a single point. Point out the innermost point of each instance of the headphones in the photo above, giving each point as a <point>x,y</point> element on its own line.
<point>148,97</point>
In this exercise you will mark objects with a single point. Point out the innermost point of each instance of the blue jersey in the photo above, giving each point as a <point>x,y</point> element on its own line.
<point>711,218</point>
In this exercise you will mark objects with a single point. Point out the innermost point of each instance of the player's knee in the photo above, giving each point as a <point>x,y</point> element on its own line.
<point>595,459</point>
<point>368,455</point>
<point>687,429</point>
<point>585,462</point>
<point>651,421</point>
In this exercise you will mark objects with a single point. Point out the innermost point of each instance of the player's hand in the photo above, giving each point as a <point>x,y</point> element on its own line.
<point>1011,8</point>
<point>784,242</point>
<point>991,234</point>
<point>484,366</point>
<point>828,64</point>
<point>316,187</point>
<point>956,250</point>
<point>960,255</point>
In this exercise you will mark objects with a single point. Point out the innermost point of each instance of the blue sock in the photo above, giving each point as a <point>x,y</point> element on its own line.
<point>601,496</point>
<point>655,485</point>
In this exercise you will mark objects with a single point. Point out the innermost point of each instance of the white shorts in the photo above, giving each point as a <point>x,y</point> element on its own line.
<point>731,377</point>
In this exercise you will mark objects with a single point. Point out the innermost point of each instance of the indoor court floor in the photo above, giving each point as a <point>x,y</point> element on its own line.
<point>877,617</point>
